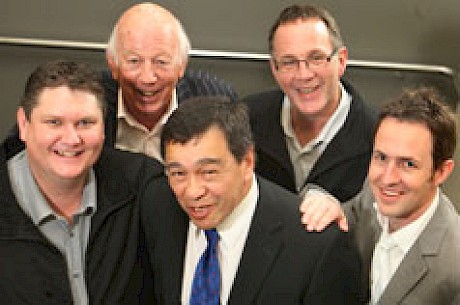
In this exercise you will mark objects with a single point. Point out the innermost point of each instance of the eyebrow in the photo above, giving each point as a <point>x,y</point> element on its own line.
<point>203,161</point>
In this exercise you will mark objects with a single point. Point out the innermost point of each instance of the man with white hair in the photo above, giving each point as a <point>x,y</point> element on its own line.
<point>147,54</point>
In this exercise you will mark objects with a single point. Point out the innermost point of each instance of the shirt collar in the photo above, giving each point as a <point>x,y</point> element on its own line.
<point>237,224</point>
<point>328,131</point>
<point>27,189</point>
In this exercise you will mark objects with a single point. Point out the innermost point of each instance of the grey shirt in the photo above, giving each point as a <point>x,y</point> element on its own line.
<point>70,239</point>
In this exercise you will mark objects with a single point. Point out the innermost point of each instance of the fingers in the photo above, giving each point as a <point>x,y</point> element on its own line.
<point>319,210</point>
<point>343,224</point>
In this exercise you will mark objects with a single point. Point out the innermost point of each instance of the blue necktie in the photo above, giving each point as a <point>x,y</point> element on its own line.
<point>206,282</point>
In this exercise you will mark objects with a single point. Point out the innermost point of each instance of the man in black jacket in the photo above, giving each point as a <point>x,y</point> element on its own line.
<point>315,128</point>
<point>264,256</point>
<point>69,220</point>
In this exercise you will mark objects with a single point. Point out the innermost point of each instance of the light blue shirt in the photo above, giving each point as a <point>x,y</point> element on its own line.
<point>71,240</point>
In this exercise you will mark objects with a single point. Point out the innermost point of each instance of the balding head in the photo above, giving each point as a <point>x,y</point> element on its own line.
<point>144,21</point>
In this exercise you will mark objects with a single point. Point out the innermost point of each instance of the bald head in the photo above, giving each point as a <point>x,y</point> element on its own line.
<point>146,21</point>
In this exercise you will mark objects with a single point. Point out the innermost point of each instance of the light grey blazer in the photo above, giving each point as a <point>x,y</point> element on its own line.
<point>430,272</point>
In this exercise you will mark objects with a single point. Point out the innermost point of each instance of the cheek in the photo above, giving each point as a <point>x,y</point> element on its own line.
<point>127,77</point>
<point>282,80</point>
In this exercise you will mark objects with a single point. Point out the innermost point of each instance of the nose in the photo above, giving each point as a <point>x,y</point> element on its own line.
<point>304,70</point>
<point>71,135</point>
<point>390,173</point>
<point>147,73</point>
<point>194,189</point>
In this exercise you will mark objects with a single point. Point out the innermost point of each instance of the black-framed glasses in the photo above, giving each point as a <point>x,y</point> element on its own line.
<point>292,64</point>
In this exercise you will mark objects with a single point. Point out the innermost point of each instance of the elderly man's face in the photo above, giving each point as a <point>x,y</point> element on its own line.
<point>148,68</point>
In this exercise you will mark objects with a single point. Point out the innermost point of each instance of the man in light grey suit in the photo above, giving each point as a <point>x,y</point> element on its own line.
<point>406,229</point>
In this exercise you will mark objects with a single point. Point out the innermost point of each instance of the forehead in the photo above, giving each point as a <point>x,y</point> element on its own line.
<point>65,100</point>
<point>302,34</point>
<point>210,145</point>
<point>402,138</point>
<point>148,36</point>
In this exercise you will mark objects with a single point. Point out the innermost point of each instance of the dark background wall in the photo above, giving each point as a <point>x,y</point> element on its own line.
<point>403,31</point>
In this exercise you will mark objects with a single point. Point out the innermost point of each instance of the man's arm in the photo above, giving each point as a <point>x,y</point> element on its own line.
<point>337,279</point>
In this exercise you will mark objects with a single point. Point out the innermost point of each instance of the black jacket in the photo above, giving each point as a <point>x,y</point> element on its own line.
<point>280,264</point>
<point>342,167</point>
<point>33,271</point>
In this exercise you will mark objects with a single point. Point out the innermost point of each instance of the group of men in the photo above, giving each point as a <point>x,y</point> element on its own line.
<point>153,185</point>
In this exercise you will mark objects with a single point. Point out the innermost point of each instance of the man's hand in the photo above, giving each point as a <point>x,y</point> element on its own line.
<point>319,210</point>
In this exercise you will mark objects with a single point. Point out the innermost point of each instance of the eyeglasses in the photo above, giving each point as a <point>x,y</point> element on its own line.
<point>291,64</point>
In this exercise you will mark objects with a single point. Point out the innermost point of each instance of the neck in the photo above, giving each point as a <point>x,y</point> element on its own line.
<point>306,129</point>
<point>63,197</point>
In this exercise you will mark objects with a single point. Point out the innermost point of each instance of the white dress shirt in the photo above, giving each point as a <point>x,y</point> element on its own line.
<point>233,232</point>
<point>391,248</point>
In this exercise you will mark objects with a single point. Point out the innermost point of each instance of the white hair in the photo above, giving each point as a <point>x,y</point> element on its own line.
<point>184,42</point>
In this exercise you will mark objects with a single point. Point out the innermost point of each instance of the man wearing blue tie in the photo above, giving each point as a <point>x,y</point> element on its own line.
<point>219,234</point>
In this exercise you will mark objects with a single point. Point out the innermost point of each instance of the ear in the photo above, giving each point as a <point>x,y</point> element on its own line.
<point>113,66</point>
<point>182,67</point>
<point>273,66</point>
<point>248,163</point>
<point>22,123</point>
<point>442,173</point>
<point>342,55</point>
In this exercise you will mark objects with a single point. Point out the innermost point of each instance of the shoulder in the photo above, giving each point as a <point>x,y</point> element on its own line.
<point>360,108</point>
<point>202,83</point>
<point>261,99</point>
<point>133,167</point>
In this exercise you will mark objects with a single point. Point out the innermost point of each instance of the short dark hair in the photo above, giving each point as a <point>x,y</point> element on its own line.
<point>304,12</point>
<point>75,76</point>
<point>197,115</point>
<point>425,106</point>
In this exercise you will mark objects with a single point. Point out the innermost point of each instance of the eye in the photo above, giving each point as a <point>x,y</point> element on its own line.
<point>378,156</point>
<point>132,62</point>
<point>209,173</point>
<point>317,58</point>
<point>162,63</point>
<point>86,123</point>
<point>53,122</point>
<point>288,63</point>
<point>409,164</point>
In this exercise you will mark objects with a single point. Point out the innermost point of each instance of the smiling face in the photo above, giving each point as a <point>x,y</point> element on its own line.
<point>64,135</point>
<point>148,64</point>
<point>401,173</point>
<point>313,91</point>
<point>206,178</point>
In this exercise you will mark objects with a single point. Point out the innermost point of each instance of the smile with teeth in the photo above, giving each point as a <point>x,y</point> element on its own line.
<point>64,153</point>
<point>391,192</point>
<point>147,93</point>
<point>307,90</point>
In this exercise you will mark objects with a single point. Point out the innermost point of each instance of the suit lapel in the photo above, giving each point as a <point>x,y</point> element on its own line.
<point>175,249</point>
<point>414,266</point>
<point>412,269</point>
<point>261,250</point>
